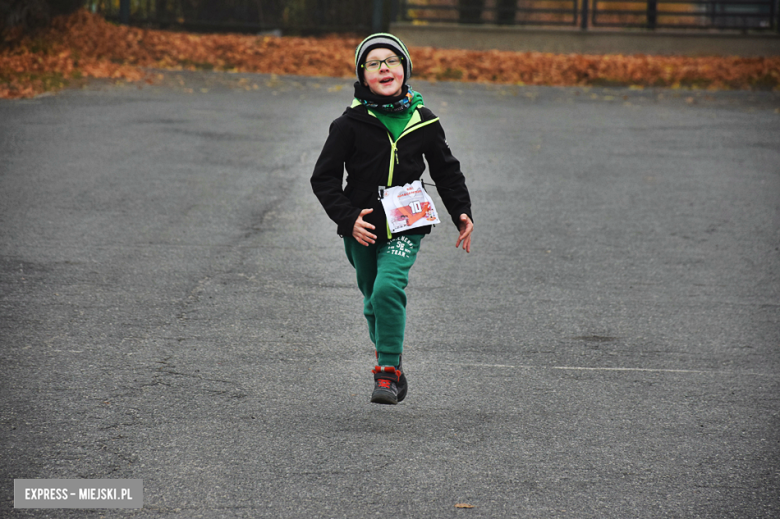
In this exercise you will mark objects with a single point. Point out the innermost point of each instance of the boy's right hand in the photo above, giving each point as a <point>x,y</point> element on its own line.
<point>360,231</point>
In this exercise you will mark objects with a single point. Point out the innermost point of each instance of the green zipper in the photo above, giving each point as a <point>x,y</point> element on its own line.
<point>413,124</point>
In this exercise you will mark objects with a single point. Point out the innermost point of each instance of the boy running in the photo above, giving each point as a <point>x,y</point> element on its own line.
<point>381,140</point>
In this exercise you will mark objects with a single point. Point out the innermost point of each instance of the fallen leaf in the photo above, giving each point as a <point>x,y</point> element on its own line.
<point>464,505</point>
<point>84,44</point>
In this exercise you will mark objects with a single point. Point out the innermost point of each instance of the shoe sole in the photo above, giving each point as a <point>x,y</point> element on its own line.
<point>384,397</point>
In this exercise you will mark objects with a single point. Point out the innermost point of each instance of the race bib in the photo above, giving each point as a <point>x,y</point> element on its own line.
<point>408,207</point>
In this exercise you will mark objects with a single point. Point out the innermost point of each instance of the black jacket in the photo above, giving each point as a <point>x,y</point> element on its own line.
<point>360,142</point>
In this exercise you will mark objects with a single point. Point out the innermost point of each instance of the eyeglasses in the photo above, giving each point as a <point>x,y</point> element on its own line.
<point>374,64</point>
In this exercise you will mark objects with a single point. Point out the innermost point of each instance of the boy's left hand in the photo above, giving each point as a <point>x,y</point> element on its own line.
<point>466,227</point>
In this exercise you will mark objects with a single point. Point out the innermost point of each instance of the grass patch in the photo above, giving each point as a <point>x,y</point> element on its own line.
<point>766,82</point>
<point>25,84</point>
<point>449,74</point>
<point>607,82</point>
<point>197,65</point>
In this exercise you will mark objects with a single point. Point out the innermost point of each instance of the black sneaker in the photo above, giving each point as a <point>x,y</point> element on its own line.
<point>386,379</point>
<point>402,385</point>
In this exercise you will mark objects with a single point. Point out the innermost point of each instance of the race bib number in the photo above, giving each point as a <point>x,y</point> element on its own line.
<point>408,207</point>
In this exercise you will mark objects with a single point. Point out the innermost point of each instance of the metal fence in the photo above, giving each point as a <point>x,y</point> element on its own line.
<point>702,14</point>
<point>756,15</point>
<point>364,16</point>
<point>501,12</point>
<point>288,16</point>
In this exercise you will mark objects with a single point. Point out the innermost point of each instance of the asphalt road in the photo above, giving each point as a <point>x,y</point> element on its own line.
<point>176,307</point>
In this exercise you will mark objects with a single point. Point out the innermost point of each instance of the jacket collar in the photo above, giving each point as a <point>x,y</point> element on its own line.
<point>359,112</point>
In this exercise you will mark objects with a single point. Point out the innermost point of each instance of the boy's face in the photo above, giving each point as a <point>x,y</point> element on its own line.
<point>385,81</point>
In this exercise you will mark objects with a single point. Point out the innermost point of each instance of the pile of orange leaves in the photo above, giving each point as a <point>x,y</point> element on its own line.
<point>84,45</point>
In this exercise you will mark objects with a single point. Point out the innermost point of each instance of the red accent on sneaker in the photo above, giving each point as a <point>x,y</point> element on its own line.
<point>383,383</point>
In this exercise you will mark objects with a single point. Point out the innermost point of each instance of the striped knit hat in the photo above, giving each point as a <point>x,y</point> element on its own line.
<point>384,41</point>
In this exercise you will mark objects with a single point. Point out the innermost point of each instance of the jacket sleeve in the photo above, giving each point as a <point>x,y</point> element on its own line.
<point>446,174</point>
<point>327,180</point>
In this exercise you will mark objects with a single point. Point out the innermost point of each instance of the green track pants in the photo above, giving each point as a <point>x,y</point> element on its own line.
<point>382,275</point>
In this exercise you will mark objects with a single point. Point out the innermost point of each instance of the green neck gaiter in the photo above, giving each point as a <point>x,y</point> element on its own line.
<point>395,122</point>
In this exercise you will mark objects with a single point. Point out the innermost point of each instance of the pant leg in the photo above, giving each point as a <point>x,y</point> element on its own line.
<point>394,261</point>
<point>382,275</point>
<point>364,260</point>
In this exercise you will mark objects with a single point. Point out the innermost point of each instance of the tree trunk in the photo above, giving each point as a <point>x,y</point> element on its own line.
<point>470,11</point>
<point>506,11</point>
